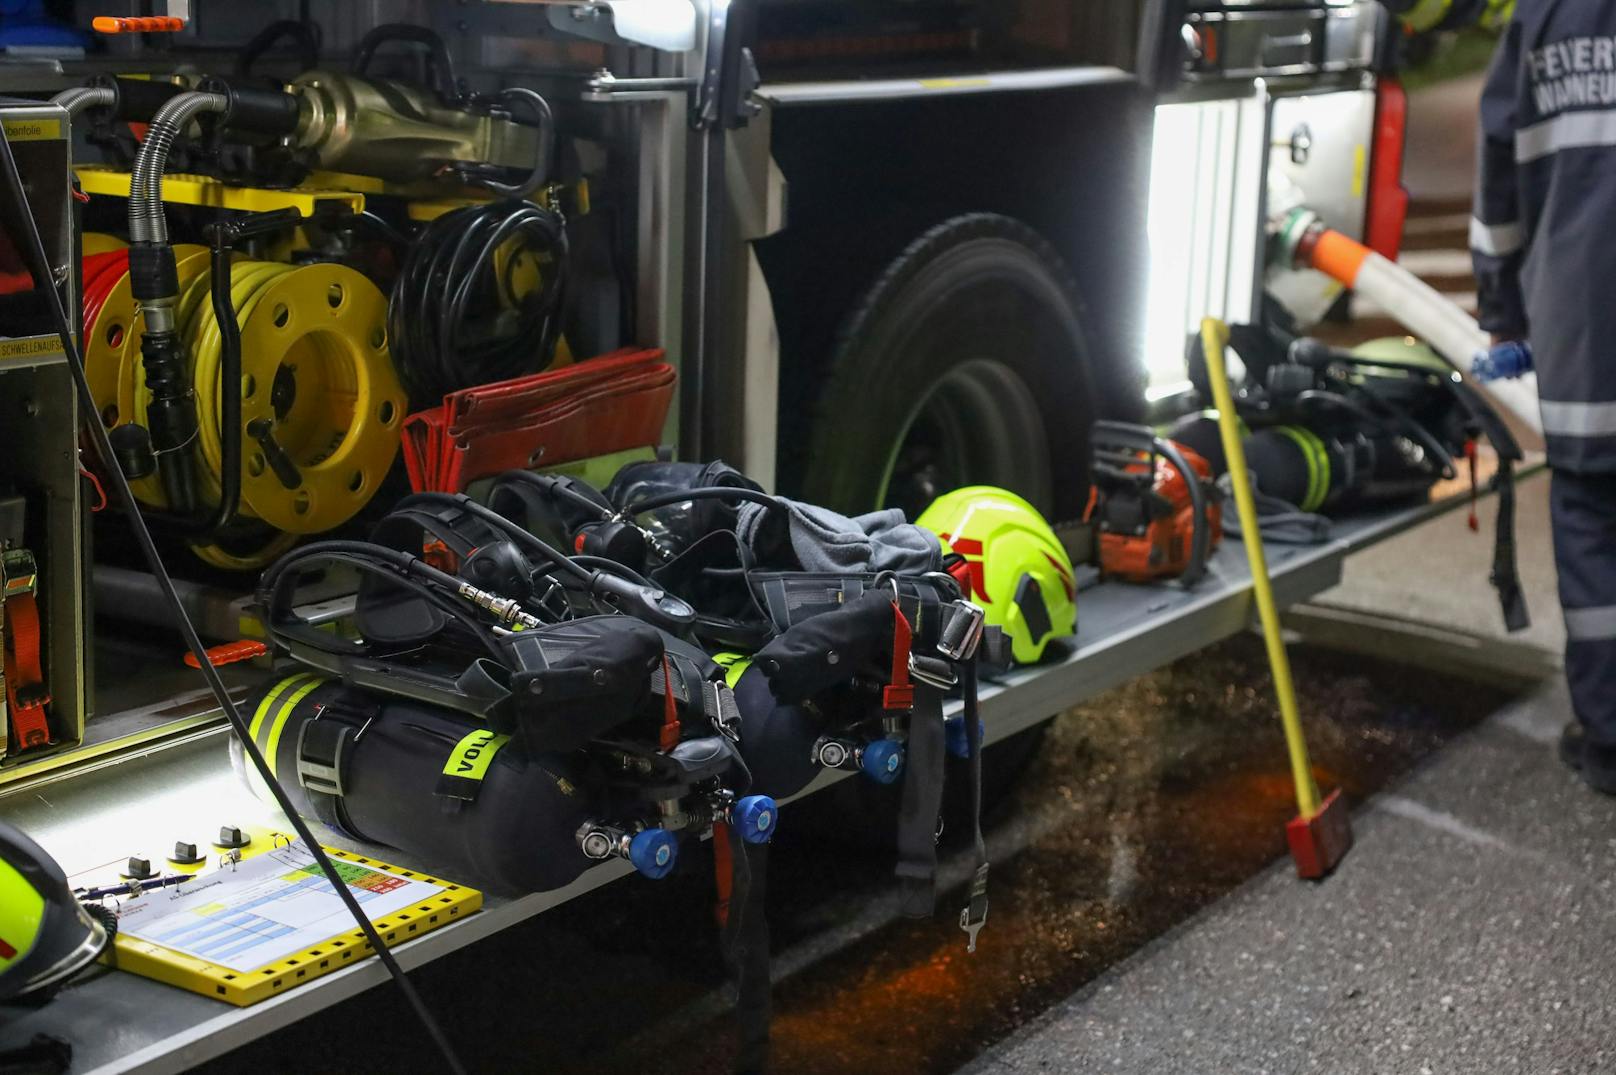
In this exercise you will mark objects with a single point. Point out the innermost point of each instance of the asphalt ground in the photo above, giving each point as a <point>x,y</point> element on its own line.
<point>1471,929</point>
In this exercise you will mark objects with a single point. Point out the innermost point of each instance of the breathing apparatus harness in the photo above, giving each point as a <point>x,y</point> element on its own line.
<point>504,630</point>
<point>501,584</point>
<point>1373,427</point>
<point>873,653</point>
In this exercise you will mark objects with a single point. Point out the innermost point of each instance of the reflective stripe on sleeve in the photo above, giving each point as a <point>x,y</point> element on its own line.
<point>1496,240</point>
<point>1591,624</point>
<point>1568,130</point>
<point>1563,419</point>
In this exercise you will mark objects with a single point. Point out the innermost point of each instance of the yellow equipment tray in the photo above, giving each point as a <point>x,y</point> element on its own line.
<point>274,899</point>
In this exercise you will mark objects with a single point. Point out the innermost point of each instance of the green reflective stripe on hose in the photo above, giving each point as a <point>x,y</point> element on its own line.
<point>1318,470</point>
<point>268,704</point>
<point>468,763</point>
<point>284,712</point>
<point>1318,465</point>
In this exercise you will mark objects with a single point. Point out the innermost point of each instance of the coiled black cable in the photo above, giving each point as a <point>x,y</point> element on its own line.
<point>454,319</point>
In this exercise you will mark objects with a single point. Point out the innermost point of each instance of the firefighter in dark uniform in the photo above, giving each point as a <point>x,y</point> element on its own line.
<point>1543,240</point>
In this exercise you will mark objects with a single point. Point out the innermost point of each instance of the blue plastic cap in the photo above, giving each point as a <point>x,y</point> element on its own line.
<point>882,760</point>
<point>653,852</point>
<point>755,818</point>
<point>958,745</point>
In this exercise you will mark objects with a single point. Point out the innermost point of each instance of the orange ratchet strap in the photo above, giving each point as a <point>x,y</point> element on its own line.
<point>26,697</point>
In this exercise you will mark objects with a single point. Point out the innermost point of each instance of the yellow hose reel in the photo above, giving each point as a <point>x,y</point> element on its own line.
<point>97,242</point>
<point>321,405</point>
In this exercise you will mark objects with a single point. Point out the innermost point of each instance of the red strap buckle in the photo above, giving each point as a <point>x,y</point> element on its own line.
<point>723,873</point>
<point>1470,455</point>
<point>899,693</point>
<point>670,708</point>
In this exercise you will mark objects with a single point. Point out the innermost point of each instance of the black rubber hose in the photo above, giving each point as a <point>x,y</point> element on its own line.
<point>1399,423</point>
<point>561,490</point>
<point>368,559</point>
<point>305,35</point>
<point>449,293</point>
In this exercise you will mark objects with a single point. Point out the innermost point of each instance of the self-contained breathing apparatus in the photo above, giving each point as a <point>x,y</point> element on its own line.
<point>1337,430</point>
<point>595,735</point>
<point>831,669</point>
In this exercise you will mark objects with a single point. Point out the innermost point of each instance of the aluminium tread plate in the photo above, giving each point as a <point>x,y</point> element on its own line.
<point>122,1023</point>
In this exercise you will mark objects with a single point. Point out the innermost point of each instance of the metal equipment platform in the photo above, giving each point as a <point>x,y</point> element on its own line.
<point>122,1023</point>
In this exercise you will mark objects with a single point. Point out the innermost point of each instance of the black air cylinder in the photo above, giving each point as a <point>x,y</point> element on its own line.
<point>471,805</point>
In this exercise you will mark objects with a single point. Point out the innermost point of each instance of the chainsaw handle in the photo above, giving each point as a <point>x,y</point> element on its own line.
<point>1201,530</point>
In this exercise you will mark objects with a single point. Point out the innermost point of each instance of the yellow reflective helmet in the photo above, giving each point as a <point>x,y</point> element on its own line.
<point>1015,567</point>
<point>46,936</point>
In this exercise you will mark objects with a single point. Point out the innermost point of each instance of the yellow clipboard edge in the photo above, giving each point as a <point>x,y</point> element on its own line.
<point>242,988</point>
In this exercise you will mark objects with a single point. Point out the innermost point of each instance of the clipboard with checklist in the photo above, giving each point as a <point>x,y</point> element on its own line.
<point>250,930</point>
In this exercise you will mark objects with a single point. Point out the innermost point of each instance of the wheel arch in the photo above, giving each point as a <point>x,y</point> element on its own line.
<point>869,180</point>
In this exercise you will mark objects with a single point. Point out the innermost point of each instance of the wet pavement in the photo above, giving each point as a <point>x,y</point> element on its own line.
<point>1141,808</point>
<point>1471,931</point>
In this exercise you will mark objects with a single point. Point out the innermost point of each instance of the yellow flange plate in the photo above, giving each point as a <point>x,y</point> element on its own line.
<point>321,330</point>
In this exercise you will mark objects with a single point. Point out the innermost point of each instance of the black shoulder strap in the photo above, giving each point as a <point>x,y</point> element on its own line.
<point>922,804</point>
<point>1505,576</point>
<point>745,943</point>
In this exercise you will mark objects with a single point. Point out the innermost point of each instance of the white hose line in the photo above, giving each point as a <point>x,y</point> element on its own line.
<point>1454,335</point>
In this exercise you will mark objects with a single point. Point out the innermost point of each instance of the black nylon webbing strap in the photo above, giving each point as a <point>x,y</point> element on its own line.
<point>975,912</point>
<point>922,802</point>
<point>746,949</point>
<point>322,757</point>
<point>1505,578</point>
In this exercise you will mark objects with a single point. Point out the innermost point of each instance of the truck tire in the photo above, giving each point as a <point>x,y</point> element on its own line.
<point>963,364</point>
